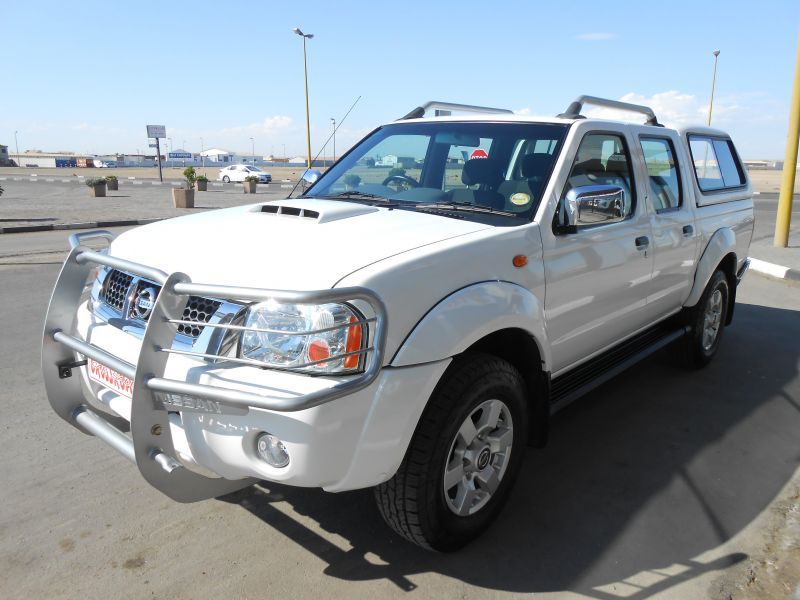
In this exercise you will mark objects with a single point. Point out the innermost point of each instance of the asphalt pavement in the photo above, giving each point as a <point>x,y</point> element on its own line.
<point>663,482</point>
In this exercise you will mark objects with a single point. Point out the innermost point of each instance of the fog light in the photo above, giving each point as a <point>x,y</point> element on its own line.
<point>272,450</point>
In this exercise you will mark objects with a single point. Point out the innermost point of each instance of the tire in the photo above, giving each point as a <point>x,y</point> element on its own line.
<point>707,321</point>
<point>490,393</point>
<point>226,179</point>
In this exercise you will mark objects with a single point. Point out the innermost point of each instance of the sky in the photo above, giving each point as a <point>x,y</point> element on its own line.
<point>87,76</point>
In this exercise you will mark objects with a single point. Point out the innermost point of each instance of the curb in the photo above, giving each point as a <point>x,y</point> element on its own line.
<point>87,225</point>
<point>772,270</point>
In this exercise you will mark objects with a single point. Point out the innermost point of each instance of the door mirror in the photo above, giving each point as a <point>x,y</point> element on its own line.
<point>590,205</point>
<point>310,176</point>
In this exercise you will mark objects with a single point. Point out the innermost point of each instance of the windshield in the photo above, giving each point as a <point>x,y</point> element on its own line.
<point>253,169</point>
<point>497,167</point>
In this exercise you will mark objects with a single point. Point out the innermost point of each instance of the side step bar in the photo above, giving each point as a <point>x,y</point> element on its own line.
<point>584,378</point>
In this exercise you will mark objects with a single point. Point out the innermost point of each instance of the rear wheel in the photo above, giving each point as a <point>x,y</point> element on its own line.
<point>707,320</point>
<point>463,458</point>
<point>226,179</point>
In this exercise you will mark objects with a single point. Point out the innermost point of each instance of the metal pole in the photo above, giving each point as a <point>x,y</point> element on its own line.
<point>158,156</point>
<point>308,122</point>
<point>16,144</point>
<point>713,81</point>
<point>333,121</point>
<point>202,156</point>
<point>784,217</point>
<point>253,150</point>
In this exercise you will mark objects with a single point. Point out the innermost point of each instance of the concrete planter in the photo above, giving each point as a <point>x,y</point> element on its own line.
<point>249,187</point>
<point>98,191</point>
<point>112,185</point>
<point>202,186</point>
<point>182,198</point>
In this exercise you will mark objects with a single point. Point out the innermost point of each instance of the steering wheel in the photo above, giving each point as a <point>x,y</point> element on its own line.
<point>404,182</point>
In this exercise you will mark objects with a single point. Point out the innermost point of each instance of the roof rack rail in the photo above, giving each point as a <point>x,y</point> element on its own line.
<point>574,109</point>
<point>444,108</point>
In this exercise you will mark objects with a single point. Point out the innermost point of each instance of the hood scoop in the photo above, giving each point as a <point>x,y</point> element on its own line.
<point>322,211</point>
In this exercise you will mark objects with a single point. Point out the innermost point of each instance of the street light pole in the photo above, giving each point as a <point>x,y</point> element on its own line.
<point>306,36</point>
<point>253,150</point>
<point>202,156</point>
<point>334,138</point>
<point>16,144</point>
<point>713,82</point>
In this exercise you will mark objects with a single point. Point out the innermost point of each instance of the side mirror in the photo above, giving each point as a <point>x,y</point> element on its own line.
<point>311,175</point>
<point>590,205</point>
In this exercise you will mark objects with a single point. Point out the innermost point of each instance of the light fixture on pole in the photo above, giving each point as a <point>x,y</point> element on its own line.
<point>306,36</point>
<point>253,150</point>
<point>713,82</point>
<point>16,145</point>
<point>333,121</point>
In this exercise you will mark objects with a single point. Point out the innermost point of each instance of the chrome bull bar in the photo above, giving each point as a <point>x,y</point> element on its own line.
<point>149,444</point>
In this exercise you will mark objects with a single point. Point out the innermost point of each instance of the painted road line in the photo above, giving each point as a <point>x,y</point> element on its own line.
<point>138,182</point>
<point>286,186</point>
<point>155,183</point>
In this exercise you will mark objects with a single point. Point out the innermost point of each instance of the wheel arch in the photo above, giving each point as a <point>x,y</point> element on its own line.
<point>719,253</point>
<point>519,348</point>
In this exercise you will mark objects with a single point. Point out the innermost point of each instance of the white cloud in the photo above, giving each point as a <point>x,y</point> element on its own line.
<point>269,125</point>
<point>595,36</point>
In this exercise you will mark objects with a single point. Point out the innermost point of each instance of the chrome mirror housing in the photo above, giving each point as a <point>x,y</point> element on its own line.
<point>310,176</point>
<point>591,205</point>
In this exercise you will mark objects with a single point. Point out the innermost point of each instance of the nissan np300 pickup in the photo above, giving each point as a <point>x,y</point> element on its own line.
<point>410,321</point>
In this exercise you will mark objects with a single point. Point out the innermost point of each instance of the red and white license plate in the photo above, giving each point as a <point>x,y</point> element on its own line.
<point>110,378</point>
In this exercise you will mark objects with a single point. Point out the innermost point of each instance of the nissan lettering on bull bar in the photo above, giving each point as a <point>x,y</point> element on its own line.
<point>408,320</point>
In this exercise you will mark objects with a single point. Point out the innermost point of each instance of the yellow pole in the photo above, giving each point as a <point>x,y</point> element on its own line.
<point>308,124</point>
<point>784,217</point>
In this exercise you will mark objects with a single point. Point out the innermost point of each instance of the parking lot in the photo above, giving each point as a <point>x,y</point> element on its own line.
<point>663,482</point>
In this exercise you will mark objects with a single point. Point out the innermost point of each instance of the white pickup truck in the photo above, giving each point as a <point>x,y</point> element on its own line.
<point>410,321</point>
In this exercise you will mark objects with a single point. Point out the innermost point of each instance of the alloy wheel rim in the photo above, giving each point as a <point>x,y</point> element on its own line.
<point>478,458</point>
<point>712,319</point>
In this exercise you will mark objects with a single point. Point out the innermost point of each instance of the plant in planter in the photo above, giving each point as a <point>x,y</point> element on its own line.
<point>183,197</point>
<point>352,181</point>
<point>112,183</point>
<point>97,185</point>
<point>201,183</point>
<point>249,184</point>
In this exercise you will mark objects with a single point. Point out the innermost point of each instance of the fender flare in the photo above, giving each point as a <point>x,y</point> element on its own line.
<point>470,314</point>
<point>722,243</point>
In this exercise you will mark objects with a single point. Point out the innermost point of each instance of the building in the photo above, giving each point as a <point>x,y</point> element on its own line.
<point>217,155</point>
<point>36,158</point>
<point>5,161</point>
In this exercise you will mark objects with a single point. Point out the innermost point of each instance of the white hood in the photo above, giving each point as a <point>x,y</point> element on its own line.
<point>300,244</point>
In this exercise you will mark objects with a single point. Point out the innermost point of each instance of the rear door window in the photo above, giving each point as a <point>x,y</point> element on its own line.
<point>662,173</point>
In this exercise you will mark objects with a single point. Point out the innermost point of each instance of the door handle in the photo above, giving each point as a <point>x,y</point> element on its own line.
<point>688,230</point>
<point>642,242</point>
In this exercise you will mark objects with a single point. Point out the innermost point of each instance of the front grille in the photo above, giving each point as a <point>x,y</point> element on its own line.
<point>119,286</point>
<point>116,289</point>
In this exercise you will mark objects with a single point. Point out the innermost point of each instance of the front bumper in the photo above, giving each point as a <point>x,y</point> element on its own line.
<point>355,442</point>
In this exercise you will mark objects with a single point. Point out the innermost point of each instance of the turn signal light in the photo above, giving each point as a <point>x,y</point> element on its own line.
<point>520,260</point>
<point>353,345</point>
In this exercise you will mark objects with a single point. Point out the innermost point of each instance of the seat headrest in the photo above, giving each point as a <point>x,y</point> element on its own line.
<point>535,165</point>
<point>592,166</point>
<point>617,163</point>
<point>487,171</point>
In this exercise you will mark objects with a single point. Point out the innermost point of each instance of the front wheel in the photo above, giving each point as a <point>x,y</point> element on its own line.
<point>226,179</point>
<point>463,459</point>
<point>707,321</point>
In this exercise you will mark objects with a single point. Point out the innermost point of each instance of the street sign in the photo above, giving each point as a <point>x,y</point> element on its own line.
<point>180,155</point>
<point>156,131</point>
<point>153,145</point>
<point>479,153</point>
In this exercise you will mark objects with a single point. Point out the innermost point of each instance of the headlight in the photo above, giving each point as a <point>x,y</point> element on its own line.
<point>304,336</point>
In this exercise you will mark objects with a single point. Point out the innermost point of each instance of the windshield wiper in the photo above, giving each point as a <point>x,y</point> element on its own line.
<point>466,207</point>
<point>357,196</point>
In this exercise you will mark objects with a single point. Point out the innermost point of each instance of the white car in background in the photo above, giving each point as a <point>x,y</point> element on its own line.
<point>239,172</point>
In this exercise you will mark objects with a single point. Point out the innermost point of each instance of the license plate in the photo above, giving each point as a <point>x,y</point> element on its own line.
<point>110,378</point>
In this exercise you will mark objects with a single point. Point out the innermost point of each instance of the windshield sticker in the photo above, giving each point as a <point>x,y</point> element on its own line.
<point>479,153</point>
<point>520,199</point>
